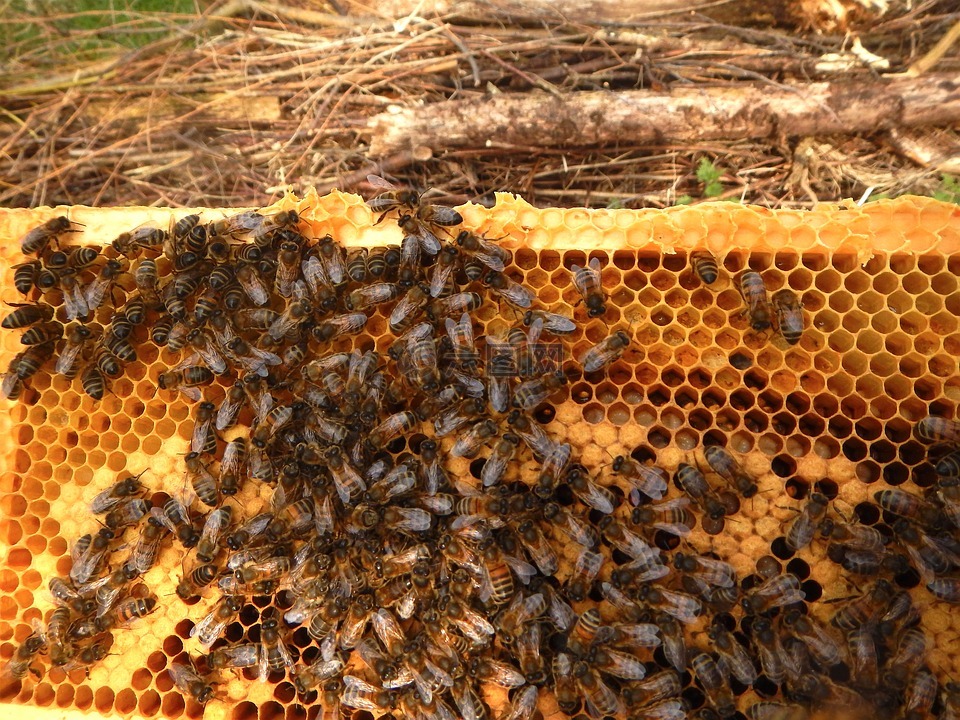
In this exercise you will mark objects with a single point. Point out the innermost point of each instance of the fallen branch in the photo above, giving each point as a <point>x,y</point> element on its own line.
<point>744,112</point>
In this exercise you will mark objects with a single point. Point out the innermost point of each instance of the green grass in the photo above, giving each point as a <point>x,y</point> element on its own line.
<point>949,190</point>
<point>57,32</point>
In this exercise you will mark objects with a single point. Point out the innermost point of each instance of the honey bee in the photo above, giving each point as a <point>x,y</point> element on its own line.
<point>217,521</point>
<point>934,429</point>
<point>805,525</point>
<point>347,323</point>
<point>778,591</point>
<point>129,610</point>
<point>127,513</point>
<point>770,710</point>
<point>288,268</point>
<point>234,657</point>
<point>540,550</point>
<point>651,481</point>
<point>470,442</point>
<point>25,315</point>
<point>362,695</point>
<point>705,571</point>
<point>590,493</point>
<point>755,297</point>
<point>26,276</point>
<point>45,332</point>
<point>595,691</point>
<point>511,291</point>
<point>370,295</point>
<point>274,655</point>
<point>93,382</point>
<point>551,322</point>
<point>320,671</point>
<point>733,657</point>
<point>863,656</point>
<point>605,352</point>
<point>19,664</point>
<point>488,253</point>
<point>789,315</point>
<point>209,629</point>
<point>766,642</point>
<point>672,516</point>
<point>89,559</point>
<point>705,265</point>
<point>587,281</point>
<point>37,240</point>
<point>203,482</point>
<point>122,489</point>
<point>714,686</point>
<point>175,517</point>
<point>946,589</point>
<point>899,502</point>
<point>186,380</point>
<point>453,305</point>
<point>391,197</point>
<point>146,279</point>
<point>724,464</point>
<point>906,659</point>
<point>467,700</point>
<point>530,393</point>
<point>231,466</point>
<point>348,482</point>
<point>144,554</point>
<point>189,683</point>
<point>132,242</point>
<point>27,363</point>
<point>447,262</point>
<point>252,529</point>
<point>98,288</point>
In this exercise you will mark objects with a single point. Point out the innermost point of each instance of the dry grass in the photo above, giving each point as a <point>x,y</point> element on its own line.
<point>227,107</point>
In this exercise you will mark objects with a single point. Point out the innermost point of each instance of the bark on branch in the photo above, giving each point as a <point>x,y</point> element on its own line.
<point>632,118</point>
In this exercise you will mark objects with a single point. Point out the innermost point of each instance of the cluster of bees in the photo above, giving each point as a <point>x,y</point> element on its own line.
<point>420,590</point>
<point>783,308</point>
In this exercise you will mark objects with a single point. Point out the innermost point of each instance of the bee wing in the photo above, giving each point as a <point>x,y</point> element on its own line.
<point>722,574</point>
<point>524,571</point>
<point>183,677</point>
<point>558,324</point>
<point>583,275</point>
<point>387,628</point>
<point>475,626</point>
<point>503,674</point>
<point>67,358</point>
<point>381,184</point>
<point>428,241</point>
<point>664,710</point>
<point>350,322</point>
<point>493,469</point>
<point>597,499</point>
<point>683,607</point>
<point>96,291</point>
<point>438,280</point>
<point>625,666</point>
<point>75,302</point>
<point>588,565</point>
<point>104,501</point>
<point>518,295</point>
<point>640,634</point>
<point>523,705</point>
<point>414,520</point>
<point>674,528</point>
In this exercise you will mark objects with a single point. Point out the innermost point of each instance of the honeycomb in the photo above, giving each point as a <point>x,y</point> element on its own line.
<point>881,299</point>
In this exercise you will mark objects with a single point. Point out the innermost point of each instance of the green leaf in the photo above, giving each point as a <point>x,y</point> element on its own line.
<point>707,172</point>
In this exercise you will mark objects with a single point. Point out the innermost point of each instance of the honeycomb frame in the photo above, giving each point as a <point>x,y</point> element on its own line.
<point>882,303</point>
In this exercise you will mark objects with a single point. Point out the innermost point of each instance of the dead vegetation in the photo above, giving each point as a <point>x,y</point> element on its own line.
<point>231,106</point>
